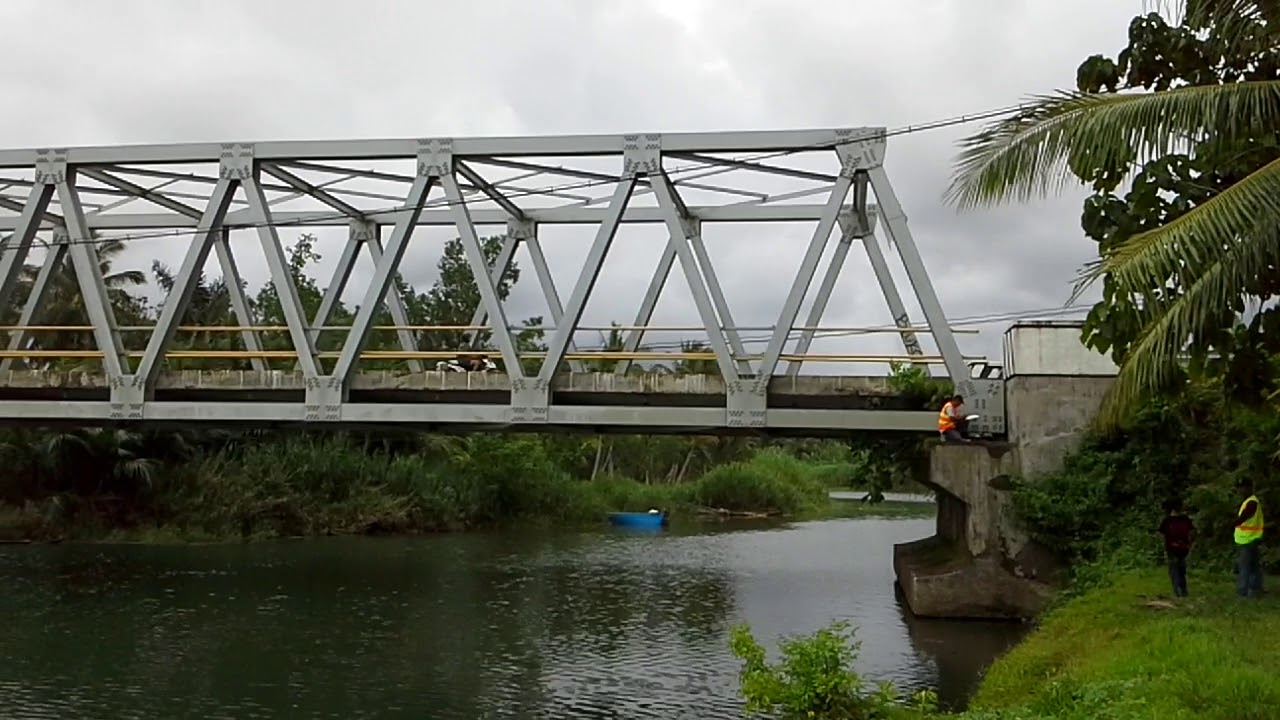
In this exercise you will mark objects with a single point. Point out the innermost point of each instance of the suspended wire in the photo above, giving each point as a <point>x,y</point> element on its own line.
<point>966,321</point>
<point>320,217</point>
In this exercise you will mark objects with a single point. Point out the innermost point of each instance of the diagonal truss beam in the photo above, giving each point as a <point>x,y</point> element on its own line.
<point>483,275</point>
<point>18,245</point>
<point>395,304</point>
<point>647,304</point>
<point>281,275</point>
<point>140,192</point>
<point>235,286</point>
<point>548,284</point>
<point>804,276</point>
<point>53,257</point>
<point>383,273</point>
<point>497,270</point>
<point>88,271</point>
<point>587,278</point>
<point>680,235</point>
<point>487,188</point>
<point>895,222</point>
<point>184,283</point>
<point>314,191</point>
<point>857,226</point>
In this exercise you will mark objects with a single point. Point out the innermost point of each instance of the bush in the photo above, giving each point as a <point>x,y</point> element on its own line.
<point>815,678</point>
<point>1101,509</point>
<point>769,481</point>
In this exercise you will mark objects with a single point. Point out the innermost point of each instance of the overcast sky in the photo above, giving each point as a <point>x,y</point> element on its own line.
<point>82,73</point>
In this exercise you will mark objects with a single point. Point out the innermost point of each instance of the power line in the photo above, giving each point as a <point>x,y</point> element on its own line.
<point>966,321</point>
<point>549,189</point>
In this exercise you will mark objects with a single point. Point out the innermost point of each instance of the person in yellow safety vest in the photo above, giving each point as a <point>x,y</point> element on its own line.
<point>1248,538</point>
<point>951,420</point>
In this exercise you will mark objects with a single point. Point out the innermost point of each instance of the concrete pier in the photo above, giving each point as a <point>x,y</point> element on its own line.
<point>981,563</point>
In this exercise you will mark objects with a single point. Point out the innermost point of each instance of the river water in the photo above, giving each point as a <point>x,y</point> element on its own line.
<point>596,624</point>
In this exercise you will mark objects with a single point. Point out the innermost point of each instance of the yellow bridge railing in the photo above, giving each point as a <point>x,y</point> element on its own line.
<point>707,355</point>
<point>472,328</point>
<point>450,354</point>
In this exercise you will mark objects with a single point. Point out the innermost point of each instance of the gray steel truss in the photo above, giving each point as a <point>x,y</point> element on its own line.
<point>198,194</point>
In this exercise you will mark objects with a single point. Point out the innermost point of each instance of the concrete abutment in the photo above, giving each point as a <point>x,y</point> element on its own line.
<point>980,563</point>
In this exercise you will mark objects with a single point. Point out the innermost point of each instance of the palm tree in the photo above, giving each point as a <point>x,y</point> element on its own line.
<point>1216,250</point>
<point>63,303</point>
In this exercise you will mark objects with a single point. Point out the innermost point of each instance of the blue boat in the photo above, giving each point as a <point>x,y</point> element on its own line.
<point>651,519</point>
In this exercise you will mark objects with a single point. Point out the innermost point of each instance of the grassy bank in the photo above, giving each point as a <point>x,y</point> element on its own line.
<point>301,485</point>
<point>1125,651</point>
<point>1120,651</point>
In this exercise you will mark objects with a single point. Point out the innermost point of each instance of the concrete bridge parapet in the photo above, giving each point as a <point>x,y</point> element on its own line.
<point>981,562</point>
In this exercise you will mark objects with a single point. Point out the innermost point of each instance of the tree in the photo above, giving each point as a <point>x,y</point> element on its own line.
<point>1188,113</point>
<point>63,302</point>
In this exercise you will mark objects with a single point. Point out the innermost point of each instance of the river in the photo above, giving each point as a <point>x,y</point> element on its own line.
<point>595,624</point>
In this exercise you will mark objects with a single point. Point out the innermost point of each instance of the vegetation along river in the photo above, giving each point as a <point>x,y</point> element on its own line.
<point>518,624</point>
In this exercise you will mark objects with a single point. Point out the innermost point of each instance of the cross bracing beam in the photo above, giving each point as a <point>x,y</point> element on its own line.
<point>459,183</point>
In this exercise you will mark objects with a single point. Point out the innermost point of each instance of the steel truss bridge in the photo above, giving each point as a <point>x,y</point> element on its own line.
<point>67,199</point>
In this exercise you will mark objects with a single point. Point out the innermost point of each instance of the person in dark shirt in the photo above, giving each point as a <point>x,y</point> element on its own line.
<point>1176,529</point>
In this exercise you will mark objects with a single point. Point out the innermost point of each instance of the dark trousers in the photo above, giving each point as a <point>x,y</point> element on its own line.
<point>1177,571</point>
<point>1249,569</point>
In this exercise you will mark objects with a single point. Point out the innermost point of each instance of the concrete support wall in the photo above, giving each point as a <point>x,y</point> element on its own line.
<point>981,563</point>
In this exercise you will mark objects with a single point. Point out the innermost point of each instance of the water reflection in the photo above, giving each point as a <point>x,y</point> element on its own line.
<point>579,625</point>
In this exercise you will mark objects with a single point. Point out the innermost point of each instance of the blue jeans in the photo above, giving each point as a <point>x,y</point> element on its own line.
<point>1178,572</point>
<point>952,435</point>
<point>1249,569</point>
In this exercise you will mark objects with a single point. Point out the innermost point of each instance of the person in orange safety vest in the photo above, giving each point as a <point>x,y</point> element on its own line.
<point>951,420</point>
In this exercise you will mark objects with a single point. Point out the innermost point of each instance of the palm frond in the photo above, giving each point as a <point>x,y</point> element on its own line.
<point>1027,155</point>
<point>1195,240</point>
<point>1152,361</point>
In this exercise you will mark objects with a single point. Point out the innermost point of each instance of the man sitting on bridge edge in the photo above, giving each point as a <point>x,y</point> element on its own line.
<point>951,422</point>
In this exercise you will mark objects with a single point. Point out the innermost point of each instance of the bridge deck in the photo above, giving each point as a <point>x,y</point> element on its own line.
<point>808,405</point>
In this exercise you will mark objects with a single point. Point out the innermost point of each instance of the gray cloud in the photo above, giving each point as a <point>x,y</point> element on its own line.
<point>130,72</point>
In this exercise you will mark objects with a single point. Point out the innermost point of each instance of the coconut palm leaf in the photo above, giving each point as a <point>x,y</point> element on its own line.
<point>1028,155</point>
<point>1152,361</point>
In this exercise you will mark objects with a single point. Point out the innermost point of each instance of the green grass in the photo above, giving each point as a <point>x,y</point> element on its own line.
<point>1127,651</point>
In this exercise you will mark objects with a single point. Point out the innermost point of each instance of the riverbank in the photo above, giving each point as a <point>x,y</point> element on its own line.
<point>299,485</point>
<point>1127,650</point>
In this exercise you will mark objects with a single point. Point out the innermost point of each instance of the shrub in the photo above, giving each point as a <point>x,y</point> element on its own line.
<point>814,678</point>
<point>769,481</point>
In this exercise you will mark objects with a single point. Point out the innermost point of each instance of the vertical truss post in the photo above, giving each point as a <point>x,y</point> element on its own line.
<point>53,257</point>
<point>799,288</point>
<point>235,295</point>
<point>640,156</point>
<point>395,303</point>
<point>434,158</point>
<point>483,275</point>
<point>679,232</point>
<point>496,271</point>
<point>527,232</point>
<point>867,155</point>
<point>647,305</point>
<point>18,245</point>
<point>175,305</point>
